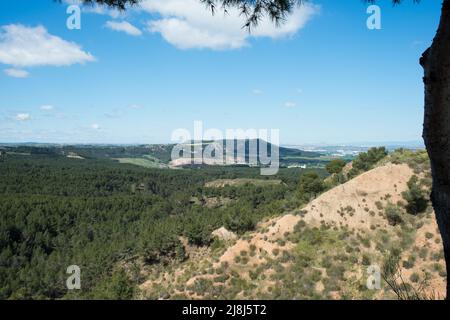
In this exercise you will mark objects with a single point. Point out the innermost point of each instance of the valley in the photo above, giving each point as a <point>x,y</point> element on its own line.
<point>215,232</point>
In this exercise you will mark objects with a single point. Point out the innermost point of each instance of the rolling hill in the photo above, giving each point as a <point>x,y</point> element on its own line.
<point>322,250</point>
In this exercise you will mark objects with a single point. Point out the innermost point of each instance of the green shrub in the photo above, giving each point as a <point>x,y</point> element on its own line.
<point>393,214</point>
<point>379,205</point>
<point>414,197</point>
<point>408,264</point>
<point>414,277</point>
<point>240,221</point>
<point>299,226</point>
<point>221,278</point>
<point>366,160</point>
<point>310,185</point>
<point>326,262</point>
<point>366,242</point>
<point>116,287</point>
<point>337,272</point>
<point>335,166</point>
<point>202,286</point>
<point>198,233</point>
<point>161,246</point>
<point>365,260</point>
<point>423,253</point>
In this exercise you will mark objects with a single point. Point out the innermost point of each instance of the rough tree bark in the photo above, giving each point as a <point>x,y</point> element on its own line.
<point>436,128</point>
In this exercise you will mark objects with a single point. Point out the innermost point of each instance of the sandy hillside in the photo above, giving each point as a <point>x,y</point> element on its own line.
<point>356,205</point>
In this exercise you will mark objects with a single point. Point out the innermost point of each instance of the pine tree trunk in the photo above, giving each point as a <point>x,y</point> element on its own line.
<point>436,129</point>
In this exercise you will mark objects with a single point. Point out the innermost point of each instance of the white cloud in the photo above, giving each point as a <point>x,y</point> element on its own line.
<point>22,116</point>
<point>16,73</point>
<point>47,108</point>
<point>124,26</point>
<point>257,91</point>
<point>135,106</point>
<point>96,8</point>
<point>103,10</point>
<point>116,113</point>
<point>33,46</point>
<point>290,104</point>
<point>188,24</point>
<point>95,126</point>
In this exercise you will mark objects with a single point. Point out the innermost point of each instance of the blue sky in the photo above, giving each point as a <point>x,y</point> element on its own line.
<point>324,77</point>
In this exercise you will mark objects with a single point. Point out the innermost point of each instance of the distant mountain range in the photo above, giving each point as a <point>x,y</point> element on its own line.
<point>160,155</point>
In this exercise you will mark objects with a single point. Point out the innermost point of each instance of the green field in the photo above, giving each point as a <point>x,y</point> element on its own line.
<point>147,161</point>
<point>241,182</point>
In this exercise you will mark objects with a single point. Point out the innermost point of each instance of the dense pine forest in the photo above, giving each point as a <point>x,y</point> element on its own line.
<point>97,213</point>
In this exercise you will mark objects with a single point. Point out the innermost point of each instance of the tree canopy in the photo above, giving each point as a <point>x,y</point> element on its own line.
<point>58,211</point>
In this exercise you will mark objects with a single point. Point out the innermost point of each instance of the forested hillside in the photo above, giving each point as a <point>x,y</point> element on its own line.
<point>57,211</point>
<point>213,232</point>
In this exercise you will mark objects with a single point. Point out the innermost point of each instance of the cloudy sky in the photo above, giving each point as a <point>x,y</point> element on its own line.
<point>135,77</point>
